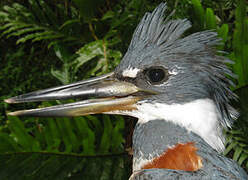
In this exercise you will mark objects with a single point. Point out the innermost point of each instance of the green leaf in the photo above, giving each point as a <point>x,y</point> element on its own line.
<point>240,44</point>
<point>64,134</point>
<point>37,10</point>
<point>62,52</point>
<point>96,123</point>
<point>243,157</point>
<point>87,136</point>
<point>198,12</point>
<point>68,128</point>
<point>28,37</point>
<point>238,151</point>
<point>4,16</point>
<point>10,10</point>
<point>21,134</point>
<point>88,52</point>
<point>108,15</point>
<point>117,137</point>
<point>223,32</point>
<point>105,140</point>
<point>8,25</point>
<point>210,19</point>
<point>230,147</point>
<point>62,75</point>
<point>46,36</point>
<point>69,23</point>
<point>49,13</point>
<point>14,28</point>
<point>24,31</point>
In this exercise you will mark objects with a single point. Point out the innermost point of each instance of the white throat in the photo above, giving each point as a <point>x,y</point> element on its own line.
<point>199,116</point>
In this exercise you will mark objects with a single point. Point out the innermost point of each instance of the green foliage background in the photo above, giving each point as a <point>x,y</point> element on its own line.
<point>46,43</point>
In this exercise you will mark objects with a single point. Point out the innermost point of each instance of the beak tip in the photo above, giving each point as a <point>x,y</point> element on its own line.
<point>9,101</point>
<point>11,114</point>
<point>16,113</point>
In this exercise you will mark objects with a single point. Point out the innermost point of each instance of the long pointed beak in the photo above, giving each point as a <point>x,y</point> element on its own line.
<point>112,94</point>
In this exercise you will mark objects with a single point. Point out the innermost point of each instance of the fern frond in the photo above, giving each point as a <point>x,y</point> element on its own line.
<point>34,24</point>
<point>237,146</point>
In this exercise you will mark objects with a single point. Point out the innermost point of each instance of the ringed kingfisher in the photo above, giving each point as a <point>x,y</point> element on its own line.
<point>176,86</point>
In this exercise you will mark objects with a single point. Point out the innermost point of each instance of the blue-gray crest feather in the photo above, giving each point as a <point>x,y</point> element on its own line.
<point>153,29</point>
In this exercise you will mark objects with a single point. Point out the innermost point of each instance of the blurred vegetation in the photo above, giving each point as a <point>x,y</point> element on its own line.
<point>46,43</point>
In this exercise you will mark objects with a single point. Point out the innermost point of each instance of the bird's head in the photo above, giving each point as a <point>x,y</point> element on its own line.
<point>163,75</point>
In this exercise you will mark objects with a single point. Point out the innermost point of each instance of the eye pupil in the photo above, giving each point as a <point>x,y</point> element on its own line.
<point>156,75</point>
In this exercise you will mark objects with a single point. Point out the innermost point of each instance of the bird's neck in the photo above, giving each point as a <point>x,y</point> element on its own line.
<point>162,126</point>
<point>199,116</point>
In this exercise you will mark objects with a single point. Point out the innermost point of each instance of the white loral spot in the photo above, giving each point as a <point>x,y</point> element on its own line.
<point>199,116</point>
<point>130,72</point>
<point>173,72</point>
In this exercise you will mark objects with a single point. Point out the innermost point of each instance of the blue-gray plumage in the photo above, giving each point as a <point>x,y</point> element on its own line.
<point>176,86</point>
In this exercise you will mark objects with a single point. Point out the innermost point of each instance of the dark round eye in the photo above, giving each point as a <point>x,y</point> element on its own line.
<point>156,75</point>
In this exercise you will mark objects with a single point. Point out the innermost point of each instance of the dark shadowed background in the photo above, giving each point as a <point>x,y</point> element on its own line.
<point>44,43</point>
